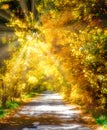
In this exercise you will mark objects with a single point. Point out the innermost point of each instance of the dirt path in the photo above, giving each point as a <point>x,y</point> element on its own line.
<point>48,112</point>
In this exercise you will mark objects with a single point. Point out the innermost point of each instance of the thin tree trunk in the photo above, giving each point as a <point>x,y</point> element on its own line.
<point>33,9</point>
<point>3,96</point>
<point>24,6</point>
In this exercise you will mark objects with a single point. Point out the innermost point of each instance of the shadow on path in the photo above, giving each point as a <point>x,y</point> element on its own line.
<point>48,112</point>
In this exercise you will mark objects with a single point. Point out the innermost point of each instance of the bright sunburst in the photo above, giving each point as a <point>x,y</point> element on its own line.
<point>30,60</point>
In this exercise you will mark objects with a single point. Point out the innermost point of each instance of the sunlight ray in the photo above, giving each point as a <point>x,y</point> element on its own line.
<point>19,59</point>
<point>5,28</point>
<point>43,49</point>
<point>3,51</point>
<point>4,14</point>
<point>26,64</point>
<point>7,35</point>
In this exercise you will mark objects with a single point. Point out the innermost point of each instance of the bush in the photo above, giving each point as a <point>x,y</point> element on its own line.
<point>12,104</point>
<point>102,120</point>
<point>2,113</point>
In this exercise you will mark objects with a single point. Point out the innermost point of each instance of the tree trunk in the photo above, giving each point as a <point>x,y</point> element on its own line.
<point>33,9</point>
<point>3,96</point>
<point>24,6</point>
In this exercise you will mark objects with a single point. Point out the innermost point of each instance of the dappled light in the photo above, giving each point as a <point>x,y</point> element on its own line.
<point>51,48</point>
<point>51,103</point>
<point>48,112</point>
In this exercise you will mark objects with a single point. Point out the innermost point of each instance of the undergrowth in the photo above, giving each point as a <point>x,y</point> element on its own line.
<point>2,112</point>
<point>13,105</point>
<point>10,105</point>
<point>30,95</point>
<point>101,120</point>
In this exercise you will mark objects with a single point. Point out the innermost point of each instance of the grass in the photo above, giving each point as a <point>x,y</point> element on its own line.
<point>31,94</point>
<point>13,105</point>
<point>27,97</point>
<point>2,112</point>
<point>9,106</point>
<point>101,120</point>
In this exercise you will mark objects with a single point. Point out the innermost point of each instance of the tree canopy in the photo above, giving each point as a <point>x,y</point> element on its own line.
<point>56,45</point>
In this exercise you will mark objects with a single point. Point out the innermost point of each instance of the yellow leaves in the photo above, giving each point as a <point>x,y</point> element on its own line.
<point>32,79</point>
<point>4,6</point>
<point>39,8</point>
<point>65,54</point>
<point>53,19</point>
<point>62,3</point>
<point>99,31</point>
<point>46,20</point>
<point>90,57</point>
<point>105,32</point>
<point>76,14</point>
<point>64,18</point>
<point>4,40</point>
<point>101,77</point>
<point>4,0</point>
<point>77,96</point>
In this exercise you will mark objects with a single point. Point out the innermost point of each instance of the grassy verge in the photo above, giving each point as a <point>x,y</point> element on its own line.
<point>2,112</point>
<point>100,116</point>
<point>30,95</point>
<point>101,120</point>
<point>12,106</point>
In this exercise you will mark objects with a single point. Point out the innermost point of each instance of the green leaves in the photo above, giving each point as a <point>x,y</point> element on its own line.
<point>12,105</point>
<point>102,120</point>
<point>2,113</point>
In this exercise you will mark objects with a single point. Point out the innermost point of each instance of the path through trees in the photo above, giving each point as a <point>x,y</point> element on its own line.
<point>48,112</point>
